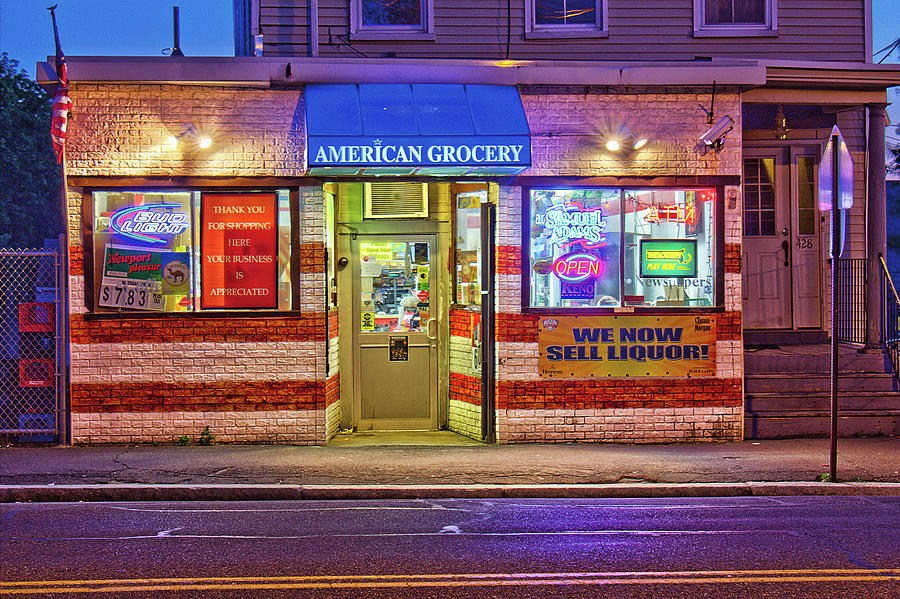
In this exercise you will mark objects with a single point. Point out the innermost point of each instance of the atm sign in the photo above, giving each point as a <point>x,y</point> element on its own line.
<point>578,266</point>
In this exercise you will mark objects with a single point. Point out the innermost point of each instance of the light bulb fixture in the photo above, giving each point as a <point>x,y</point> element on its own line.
<point>624,143</point>
<point>189,134</point>
<point>781,129</point>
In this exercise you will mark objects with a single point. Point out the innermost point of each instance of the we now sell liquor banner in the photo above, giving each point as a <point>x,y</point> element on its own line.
<point>627,345</point>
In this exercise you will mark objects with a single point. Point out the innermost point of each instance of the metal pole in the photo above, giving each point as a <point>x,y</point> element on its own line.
<point>835,254</point>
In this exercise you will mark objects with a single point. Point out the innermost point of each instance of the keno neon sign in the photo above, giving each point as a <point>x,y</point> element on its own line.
<point>578,266</point>
<point>145,224</point>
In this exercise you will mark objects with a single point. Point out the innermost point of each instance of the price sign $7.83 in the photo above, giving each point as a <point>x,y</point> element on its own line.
<point>130,296</point>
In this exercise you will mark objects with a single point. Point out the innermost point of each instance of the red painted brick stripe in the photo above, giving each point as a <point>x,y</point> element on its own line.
<point>181,329</point>
<point>465,388</point>
<point>509,260</point>
<point>197,397</point>
<point>618,393</point>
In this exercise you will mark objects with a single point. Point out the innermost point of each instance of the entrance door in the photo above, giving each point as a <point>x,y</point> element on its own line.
<point>781,252</point>
<point>395,307</point>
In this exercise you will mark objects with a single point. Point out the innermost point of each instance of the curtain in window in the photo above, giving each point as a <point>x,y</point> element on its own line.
<point>738,12</point>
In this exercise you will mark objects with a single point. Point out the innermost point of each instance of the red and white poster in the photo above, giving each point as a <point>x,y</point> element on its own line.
<point>239,250</point>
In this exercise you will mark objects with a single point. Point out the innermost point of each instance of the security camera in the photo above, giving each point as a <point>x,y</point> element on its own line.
<point>715,135</point>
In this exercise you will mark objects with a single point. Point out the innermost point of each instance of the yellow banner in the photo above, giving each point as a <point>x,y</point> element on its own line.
<point>627,345</point>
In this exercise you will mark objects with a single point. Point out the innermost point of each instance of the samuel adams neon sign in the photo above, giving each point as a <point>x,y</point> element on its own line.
<point>578,266</point>
<point>572,223</point>
<point>141,222</point>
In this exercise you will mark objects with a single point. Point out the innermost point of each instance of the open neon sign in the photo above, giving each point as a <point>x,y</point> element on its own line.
<point>578,266</point>
<point>146,224</point>
<point>572,223</point>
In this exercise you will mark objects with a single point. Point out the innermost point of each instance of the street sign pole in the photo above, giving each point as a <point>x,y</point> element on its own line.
<point>835,254</point>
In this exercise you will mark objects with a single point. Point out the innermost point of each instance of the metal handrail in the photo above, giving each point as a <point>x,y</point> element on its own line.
<point>890,311</point>
<point>887,275</point>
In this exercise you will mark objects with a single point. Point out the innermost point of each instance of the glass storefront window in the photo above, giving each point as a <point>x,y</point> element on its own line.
<point>669,250</point>
<point>184,251</point>
<point>574,248</point>
<point>595,247</point>
<point>468,247</point>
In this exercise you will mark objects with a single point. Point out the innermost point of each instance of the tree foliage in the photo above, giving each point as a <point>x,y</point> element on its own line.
<point>29,175</point>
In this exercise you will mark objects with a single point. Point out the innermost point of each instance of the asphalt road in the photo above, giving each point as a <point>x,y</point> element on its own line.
<point>727,547</point>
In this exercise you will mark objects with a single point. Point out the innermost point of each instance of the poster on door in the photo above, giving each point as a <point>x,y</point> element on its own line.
<point>238,250</point>
<point>627,346</point>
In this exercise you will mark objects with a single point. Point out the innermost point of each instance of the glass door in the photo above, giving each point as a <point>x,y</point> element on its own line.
<point>395,332</point>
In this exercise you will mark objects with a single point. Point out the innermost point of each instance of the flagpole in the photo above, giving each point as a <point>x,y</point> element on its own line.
<point>59,118</point>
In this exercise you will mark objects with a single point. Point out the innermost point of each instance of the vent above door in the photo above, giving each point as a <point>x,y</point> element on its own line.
<point>390,199</point>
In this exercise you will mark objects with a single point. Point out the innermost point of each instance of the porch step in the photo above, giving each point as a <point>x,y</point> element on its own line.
<point>767,404</point>
<point>816,424</point>
<point>806,382</point>
<point>787,393</point>
<point>819,361</point>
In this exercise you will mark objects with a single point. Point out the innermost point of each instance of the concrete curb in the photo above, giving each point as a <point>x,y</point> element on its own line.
<point>147,492</point>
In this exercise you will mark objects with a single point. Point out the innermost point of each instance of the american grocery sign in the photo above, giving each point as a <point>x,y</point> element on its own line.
<point>513,150</point>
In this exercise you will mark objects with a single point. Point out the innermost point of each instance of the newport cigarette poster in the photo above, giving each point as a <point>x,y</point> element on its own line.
<point>627,346</point>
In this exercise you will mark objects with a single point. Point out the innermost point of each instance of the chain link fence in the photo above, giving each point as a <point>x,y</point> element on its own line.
<point>30,318</point>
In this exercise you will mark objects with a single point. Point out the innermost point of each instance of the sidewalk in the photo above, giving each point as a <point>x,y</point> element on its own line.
<point>449,467</point>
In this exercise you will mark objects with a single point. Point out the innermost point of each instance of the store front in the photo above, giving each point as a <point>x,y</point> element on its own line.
<point>411,256</point>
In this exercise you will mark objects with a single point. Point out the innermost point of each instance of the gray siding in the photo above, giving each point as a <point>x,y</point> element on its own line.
<point>638,30</point>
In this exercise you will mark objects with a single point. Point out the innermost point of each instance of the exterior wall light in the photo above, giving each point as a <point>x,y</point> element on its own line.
<point>781,129</point>
<point>626,144</point>
<point>189,134</point>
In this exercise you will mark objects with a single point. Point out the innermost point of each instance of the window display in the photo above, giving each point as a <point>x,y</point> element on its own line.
<point>595,247</point>
<point>468,247</point>
<point>164,251</point>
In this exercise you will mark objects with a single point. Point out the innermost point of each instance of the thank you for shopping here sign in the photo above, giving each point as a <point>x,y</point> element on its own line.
<point>627,346</point>
<point>239,250</point>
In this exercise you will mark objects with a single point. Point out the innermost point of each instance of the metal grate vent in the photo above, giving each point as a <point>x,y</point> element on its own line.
<point>389,199</point>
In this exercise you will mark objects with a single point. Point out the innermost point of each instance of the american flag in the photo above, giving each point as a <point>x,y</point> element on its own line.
<point>61,101</point>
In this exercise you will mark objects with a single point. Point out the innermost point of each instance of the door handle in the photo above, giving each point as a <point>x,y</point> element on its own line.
<point>428,330</point>
<point>786,246</point>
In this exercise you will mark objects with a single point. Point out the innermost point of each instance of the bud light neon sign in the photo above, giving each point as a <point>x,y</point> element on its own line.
<point>578,266</point>
<point>147,223</point>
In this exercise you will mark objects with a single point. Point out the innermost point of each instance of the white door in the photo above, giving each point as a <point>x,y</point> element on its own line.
<point>806,261</point>
<point>766,241</point>
<point>782,268</point>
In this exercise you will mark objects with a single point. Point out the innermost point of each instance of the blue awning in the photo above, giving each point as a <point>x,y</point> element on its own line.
<point>416,129</point>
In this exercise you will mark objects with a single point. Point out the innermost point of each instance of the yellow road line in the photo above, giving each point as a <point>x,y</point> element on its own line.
<point>445,580</point>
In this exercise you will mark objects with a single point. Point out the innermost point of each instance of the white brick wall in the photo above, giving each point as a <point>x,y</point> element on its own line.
<point>637,425</point>
<point>295,427</point>
<point>465,419</point>
<point>111,363</point>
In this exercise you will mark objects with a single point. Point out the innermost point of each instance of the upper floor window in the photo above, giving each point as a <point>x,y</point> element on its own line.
<point>391,19</point>
<point>565,18</point>
<point>735,17</point>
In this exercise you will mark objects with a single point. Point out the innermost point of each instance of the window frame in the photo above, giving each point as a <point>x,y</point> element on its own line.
<point>719,248</point>
<point>534,30</point>
<point>93,311</point>
<point>422,31</point>
<point>767,29</point>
